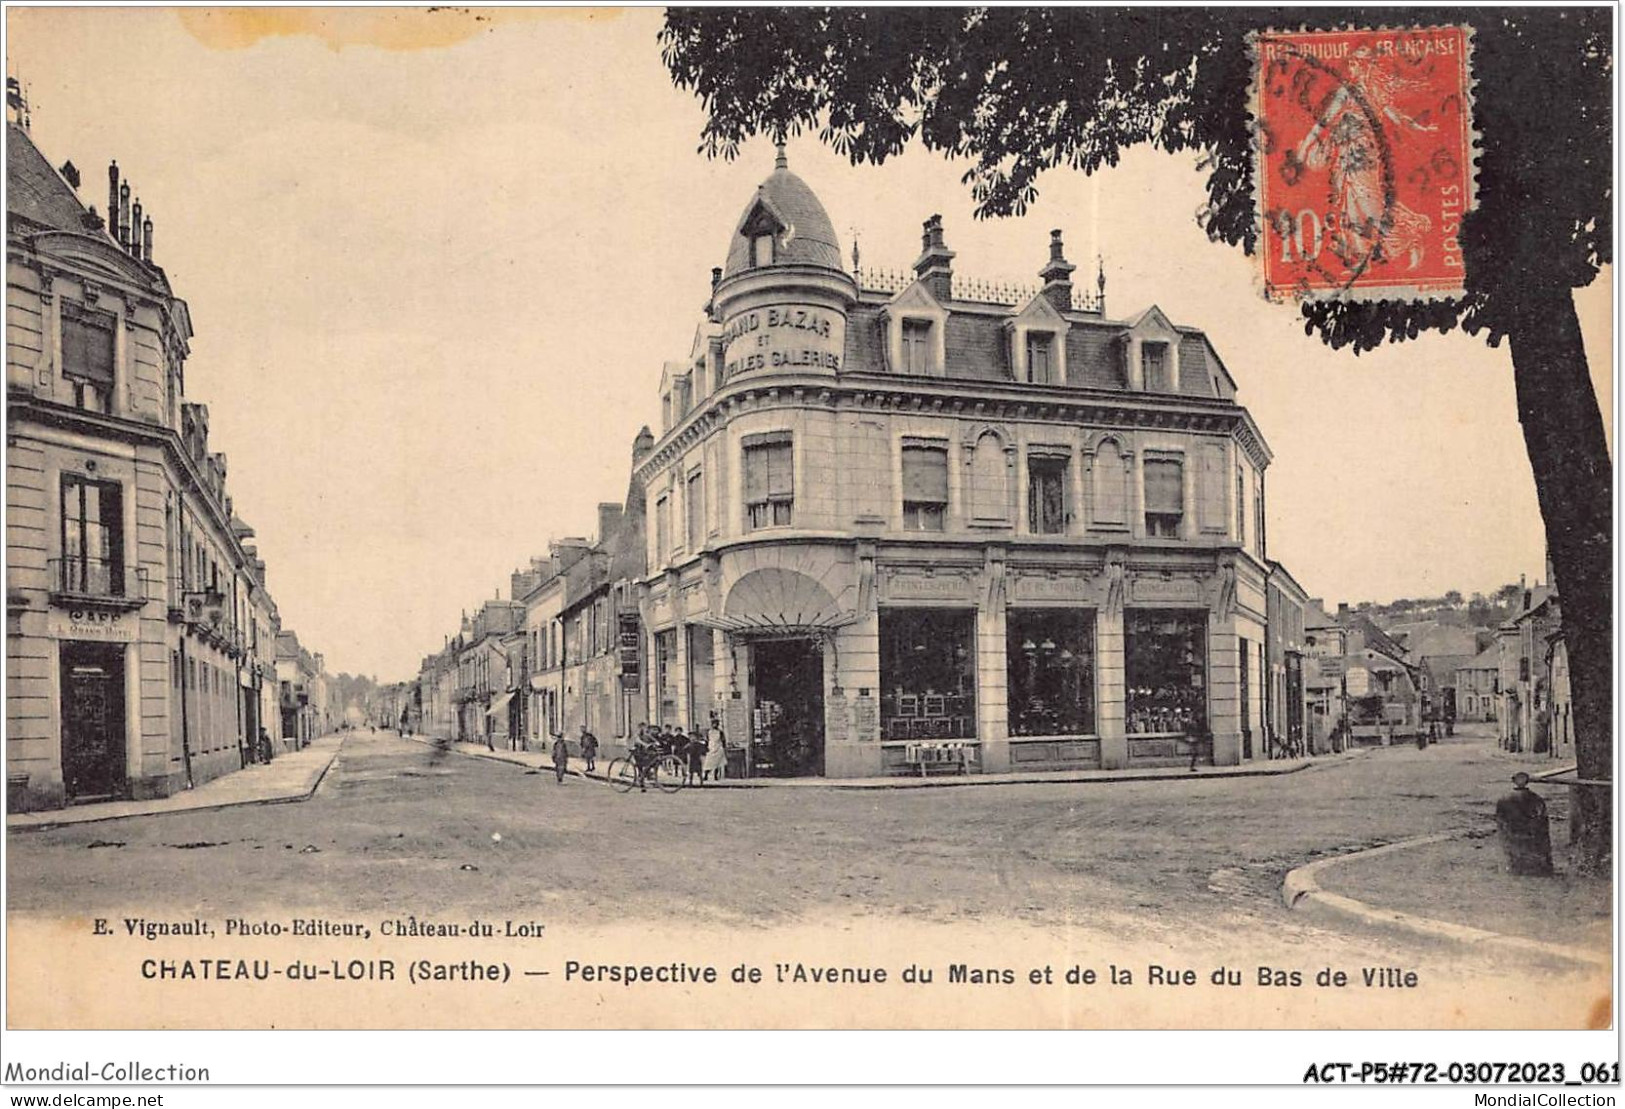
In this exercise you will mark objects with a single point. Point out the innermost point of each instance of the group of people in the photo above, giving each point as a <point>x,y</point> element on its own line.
<point>704,753</point>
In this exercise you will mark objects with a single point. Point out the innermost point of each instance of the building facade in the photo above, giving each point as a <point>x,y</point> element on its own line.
<point>1530,643</point>
<point>1478,687</point>
<point>140,634</point>
<point>891,517</point>
<point>1288,701</point>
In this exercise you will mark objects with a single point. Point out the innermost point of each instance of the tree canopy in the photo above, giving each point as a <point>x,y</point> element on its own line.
<point>1019,91</point>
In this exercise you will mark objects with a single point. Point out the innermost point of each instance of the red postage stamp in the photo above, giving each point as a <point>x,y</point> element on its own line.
<point>1364,163</point>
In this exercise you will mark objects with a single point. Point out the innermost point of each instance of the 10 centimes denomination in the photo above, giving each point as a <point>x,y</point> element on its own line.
<point>1363,168</point>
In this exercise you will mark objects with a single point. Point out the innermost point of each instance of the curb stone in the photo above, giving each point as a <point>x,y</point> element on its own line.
<point>290,798</point>
<point>1302,885</point>
<point>1061,777</point>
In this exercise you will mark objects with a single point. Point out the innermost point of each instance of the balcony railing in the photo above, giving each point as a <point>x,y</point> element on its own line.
<point>97,581</point>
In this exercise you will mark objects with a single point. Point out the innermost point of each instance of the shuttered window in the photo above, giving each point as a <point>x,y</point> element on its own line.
<point>769,482</point>
<point>1164,496</point>
<point>925,487</point>
<point>87,346</point>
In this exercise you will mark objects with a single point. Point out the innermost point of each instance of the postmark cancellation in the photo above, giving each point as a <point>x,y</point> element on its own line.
<point>1364,161</point>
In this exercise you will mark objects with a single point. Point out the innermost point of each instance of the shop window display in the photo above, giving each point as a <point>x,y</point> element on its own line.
<point>1165,671</point>
<point>927,674</point>
<point>1052,671</point>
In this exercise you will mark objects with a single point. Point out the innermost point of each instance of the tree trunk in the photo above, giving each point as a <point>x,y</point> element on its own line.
<point>1568,452</point>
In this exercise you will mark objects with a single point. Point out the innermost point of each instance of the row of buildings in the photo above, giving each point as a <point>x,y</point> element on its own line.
<point>144,651</point>
<point>895,518</point>
<point>1363,680</point>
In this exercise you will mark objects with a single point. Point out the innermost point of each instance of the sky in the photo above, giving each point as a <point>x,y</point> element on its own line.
<point>435,261</point>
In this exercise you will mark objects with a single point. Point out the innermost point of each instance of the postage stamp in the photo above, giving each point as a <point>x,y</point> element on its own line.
<point>1364,161</point>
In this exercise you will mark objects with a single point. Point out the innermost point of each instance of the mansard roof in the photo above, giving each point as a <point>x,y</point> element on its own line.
<point>977,347</point>
<point>35,190</point>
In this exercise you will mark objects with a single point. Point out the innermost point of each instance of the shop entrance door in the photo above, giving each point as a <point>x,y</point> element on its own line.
<point>93,763</point>
<point>787,724</point>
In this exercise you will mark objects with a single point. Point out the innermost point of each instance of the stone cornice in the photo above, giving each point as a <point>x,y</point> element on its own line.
<point>958,397</point>
<point>151,293</point>
<point>101,425</point>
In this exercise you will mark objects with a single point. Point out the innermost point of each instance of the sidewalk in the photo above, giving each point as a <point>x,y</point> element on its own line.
<point>1455,886</point>
<point>538,760</point>
<point>289,777</point>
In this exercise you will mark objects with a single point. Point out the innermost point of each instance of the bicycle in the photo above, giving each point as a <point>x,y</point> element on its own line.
<point>664,773</point>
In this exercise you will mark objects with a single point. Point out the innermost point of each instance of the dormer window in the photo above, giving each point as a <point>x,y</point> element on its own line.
<point>917,347</point>
<point>761,250</point>
<point>1154,367</point>
<point>1040,358</point>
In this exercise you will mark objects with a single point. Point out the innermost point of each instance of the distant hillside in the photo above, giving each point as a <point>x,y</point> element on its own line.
<point>1452,609</point>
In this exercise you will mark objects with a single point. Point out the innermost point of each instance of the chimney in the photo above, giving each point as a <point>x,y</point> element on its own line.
<point>124,215</point>
<point>1342,611</point>
<point>711,305</point>
<point>135,228</point>
<point>935,264</point>
<point>146,239</point>
<point>1057,275</point>
<point>609,516</point>
<point>112,199</point>
<point>642,444</point>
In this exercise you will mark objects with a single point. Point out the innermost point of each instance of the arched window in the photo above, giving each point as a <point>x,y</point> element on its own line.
<point>990,480</point>
<point>1110,486</point>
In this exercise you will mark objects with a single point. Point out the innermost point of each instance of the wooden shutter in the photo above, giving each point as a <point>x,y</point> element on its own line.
<point>87,348</point>
<point>1164,486</point>
<point>780,480</point>
<point>925,475</point>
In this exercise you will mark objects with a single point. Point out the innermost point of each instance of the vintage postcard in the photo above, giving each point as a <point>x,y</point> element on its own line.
<point>761,519</point>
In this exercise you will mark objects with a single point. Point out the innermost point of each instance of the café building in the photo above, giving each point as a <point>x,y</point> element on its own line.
<point>893,518</point>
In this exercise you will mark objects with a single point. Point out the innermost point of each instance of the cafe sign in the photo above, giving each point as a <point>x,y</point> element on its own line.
<point>783,338</point>
<point>100,625</point>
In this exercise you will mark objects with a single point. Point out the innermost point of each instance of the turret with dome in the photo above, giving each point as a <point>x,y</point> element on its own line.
<point>782,297</point>
<point>784,224</point>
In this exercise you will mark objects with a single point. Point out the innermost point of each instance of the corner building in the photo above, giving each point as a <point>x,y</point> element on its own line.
<point>896,516</point>
<point>140,632</point>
